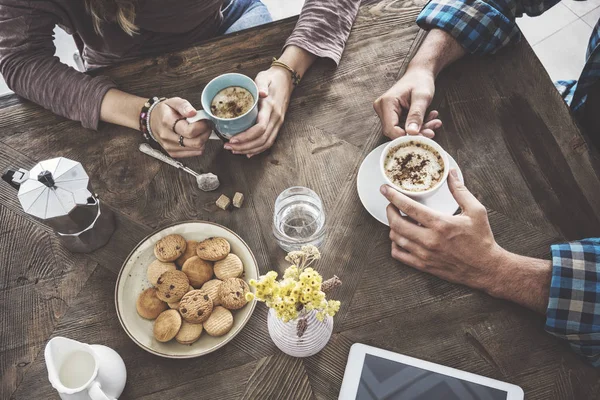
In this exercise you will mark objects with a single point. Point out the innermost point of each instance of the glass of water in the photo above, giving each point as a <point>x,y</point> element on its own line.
<point>299,219</point>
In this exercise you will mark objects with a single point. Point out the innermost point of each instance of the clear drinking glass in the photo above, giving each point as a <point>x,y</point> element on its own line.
<point>299,219</point>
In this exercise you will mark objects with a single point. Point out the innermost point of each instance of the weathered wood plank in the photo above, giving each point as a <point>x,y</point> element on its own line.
<point>279,377</point>
<point>39,282</point>
<point>518,148</point>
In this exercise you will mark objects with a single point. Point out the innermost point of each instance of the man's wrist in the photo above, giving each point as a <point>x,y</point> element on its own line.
<point>520,279</point>
<point>438,50</point>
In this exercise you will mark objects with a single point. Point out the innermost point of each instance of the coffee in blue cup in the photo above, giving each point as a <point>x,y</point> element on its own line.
<point>230,101</point>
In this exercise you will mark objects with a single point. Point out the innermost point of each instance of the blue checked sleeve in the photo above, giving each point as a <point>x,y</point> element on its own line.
<point>480,26</point>
<point>573,310</point>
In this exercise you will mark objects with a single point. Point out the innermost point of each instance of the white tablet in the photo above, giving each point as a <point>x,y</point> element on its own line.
<point>376,374</point>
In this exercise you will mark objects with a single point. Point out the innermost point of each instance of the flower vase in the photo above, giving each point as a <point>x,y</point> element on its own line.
<point>314,338</point>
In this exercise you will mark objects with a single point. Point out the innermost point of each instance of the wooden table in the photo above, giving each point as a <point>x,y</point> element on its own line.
<point>504,123</point>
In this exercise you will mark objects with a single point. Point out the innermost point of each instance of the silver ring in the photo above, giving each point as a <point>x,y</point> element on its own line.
<point>181,141</point>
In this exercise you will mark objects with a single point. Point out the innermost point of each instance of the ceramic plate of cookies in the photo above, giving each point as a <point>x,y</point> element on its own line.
<point>181,293</point>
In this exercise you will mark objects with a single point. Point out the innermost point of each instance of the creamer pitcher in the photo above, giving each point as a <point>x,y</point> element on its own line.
<point>80,371</point>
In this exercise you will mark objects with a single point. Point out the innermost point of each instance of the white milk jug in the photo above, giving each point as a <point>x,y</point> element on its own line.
<point>80,371</point>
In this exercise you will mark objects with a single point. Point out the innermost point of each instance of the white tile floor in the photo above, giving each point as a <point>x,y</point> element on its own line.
<point>559,37</point>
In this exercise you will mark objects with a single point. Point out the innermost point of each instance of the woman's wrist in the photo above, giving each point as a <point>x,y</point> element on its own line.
<point>121,108</point>
<point>298,59</point>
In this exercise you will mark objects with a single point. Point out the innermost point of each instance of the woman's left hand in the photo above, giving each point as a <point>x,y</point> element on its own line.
<point>275,89</point>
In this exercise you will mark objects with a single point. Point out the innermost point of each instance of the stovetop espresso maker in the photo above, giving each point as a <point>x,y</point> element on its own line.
<point>58,192</point>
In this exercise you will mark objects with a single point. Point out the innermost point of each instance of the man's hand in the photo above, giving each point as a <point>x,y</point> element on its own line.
<point>457,248</point>
<point>167,131</point>
<point>275,89</point>
<point>462,248</point>
<point>410,97</point>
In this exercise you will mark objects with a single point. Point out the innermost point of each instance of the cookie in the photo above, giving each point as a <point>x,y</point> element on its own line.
<point>219,322</point>
<point>229,267</point>
<point>148,305</point>
<point>156,269</point>
<point>175,305</point>
<point>213,249</point>
<point>196,306</point>
<point>172,285</point>
<point>170,248</point>
<point>189,333</point>
<point>212,289</point>
<point>190,251</point>
<point>198,271</point>
<point>167,325</point>
<point>232,293</point>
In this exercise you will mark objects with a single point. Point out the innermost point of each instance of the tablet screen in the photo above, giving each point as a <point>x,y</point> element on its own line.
<point>390,380</point>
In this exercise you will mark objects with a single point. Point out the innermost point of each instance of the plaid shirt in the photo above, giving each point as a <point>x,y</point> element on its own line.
<point>574,306</point>
<point>484,26</point>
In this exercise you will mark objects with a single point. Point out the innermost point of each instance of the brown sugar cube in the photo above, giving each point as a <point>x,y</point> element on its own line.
<point>223,202</point>
<point>238,200</point>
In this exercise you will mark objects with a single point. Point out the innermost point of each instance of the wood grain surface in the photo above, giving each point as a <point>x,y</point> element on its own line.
<point>504,123</point>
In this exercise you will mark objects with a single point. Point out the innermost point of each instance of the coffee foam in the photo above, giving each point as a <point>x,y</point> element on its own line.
<point>231,102</point>
<point>414,166</point>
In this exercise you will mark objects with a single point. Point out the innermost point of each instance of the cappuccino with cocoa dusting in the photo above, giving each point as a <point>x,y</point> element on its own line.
<point>231,102</point>
<point>414,166</point>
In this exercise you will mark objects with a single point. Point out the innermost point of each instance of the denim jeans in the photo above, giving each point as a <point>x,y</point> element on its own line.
<point>243,14</point>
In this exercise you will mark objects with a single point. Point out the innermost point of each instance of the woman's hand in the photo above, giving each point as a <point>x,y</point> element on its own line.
<point>275,89</point>
<point>166,129</point>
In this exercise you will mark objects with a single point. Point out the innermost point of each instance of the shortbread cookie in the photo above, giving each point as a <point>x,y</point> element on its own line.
<point>212,289</point>
<point>213,249</point>
<point>219,322</point>
<point>198,271</point>
<point>175,305</point>
<point>196,306</point>
<point>232,293</point>
<point>157,268</point>
<point>170,248</point>
<point>172,285</point>
<point>229,267</point>
<point>167,325</point>
<point>148,305</point>
<point>189,333</point>
<point>190,251</point>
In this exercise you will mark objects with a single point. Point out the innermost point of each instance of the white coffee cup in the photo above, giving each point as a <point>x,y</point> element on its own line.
<point>415,139</point>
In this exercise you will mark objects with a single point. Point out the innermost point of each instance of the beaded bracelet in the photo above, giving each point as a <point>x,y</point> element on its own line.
<point>295,76</point>
<point>149,116</point>
<point>144,117</point>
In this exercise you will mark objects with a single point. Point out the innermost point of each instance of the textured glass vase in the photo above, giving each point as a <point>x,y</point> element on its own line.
<point>284,334</point>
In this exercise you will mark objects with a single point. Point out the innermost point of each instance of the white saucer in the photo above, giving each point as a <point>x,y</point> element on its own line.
<point>369,180</point>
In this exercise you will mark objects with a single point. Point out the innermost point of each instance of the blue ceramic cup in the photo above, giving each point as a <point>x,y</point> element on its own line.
<point>227,127</point>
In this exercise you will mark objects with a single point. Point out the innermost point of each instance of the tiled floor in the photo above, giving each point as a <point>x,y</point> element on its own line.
<point>559,37</point>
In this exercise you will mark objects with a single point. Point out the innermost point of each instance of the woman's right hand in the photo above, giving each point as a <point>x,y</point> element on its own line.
<point>166,131</point>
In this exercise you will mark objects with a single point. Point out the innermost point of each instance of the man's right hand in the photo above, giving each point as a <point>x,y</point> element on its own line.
<point>167,131</point>
<point>410,96</point>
